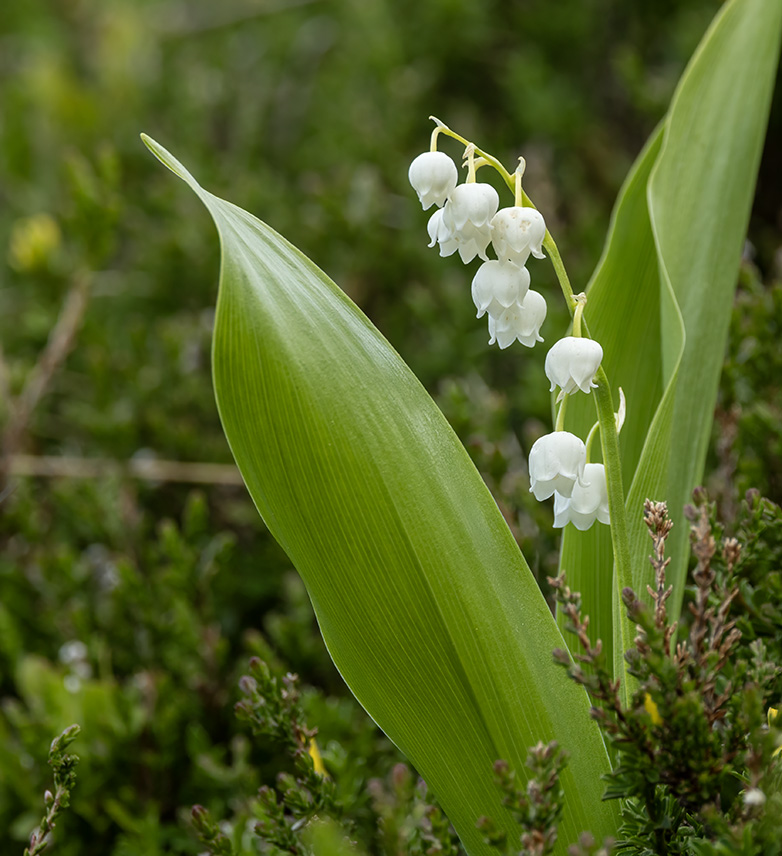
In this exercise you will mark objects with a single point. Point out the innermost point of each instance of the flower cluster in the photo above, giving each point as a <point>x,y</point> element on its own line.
<point>559,462</point>
<point>581,494</point>
<point>469,220</point>
<point>558,467</point>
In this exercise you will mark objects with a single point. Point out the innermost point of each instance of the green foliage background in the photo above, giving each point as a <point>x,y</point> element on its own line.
<point>306,113</point>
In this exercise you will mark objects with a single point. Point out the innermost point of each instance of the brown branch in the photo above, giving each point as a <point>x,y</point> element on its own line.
<point>145,470</point>
<point>59,344</point>
<point>5,383</point>
<point>182,25</point>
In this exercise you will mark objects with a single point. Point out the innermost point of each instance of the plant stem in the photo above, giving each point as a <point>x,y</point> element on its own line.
<point>560,426</point>
<point>562,277</point>
<point>609,443</point>
<point>590,439</point>
<point>508,178</point>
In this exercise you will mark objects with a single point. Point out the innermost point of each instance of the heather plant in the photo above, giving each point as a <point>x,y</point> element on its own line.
<point>695,746</point>
<point>695,749</point>
<point>64,770</point>
<point>426,605</point>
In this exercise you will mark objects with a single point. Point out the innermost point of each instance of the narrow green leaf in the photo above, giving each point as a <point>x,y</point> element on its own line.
<point>700,196</point>
<point>424,600</point>
<point>660,299</point>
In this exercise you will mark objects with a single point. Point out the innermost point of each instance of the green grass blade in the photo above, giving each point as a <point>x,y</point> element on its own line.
<point>424,600</point>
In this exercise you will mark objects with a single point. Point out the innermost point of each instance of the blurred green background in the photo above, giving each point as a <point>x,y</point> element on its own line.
<point>131,605</point>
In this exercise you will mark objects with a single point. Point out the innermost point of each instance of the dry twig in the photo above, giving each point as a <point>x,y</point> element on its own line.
<point>61,340</point>
<point>144,469</point>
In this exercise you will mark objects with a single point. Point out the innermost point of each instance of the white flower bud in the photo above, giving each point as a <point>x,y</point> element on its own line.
<point>517,232</point>
<point>433,176</point>
<point>556,463</point>
<point>440,234</point>
<point>572,362</point>
<point>588,501</point>
<point>498,285</point>
<point>468,215</point>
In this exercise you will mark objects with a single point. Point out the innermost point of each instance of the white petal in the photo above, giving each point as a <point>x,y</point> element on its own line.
<point>492,330</point>
<point>582,521</point>
<point>561,510</point>
<point>590,491</point>
<point>468,250</point>
<point>505,338</point>
<point>433,226</point>
<point>533,314</point>
<point>440,233</point>
<point>482,289</point>
<point>449,247</point>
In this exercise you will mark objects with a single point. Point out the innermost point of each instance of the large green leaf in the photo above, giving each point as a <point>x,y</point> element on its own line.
<point>424,600</point>
<point>661,297</point>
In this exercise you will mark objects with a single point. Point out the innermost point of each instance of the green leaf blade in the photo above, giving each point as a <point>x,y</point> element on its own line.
<point>424,600</point>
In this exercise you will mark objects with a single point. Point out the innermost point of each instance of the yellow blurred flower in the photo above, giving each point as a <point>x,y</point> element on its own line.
<point>651,709</point>
<point>773,713</point>
<point>33,242</point>
<point>317,760</point>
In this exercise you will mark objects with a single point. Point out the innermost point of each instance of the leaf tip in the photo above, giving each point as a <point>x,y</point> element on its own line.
<point>168,160</point>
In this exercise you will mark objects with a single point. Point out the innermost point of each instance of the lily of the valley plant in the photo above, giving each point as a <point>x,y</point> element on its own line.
<point>425,602</point>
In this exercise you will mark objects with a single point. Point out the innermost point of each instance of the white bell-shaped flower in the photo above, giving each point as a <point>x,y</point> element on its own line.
<point>556,463</point>
<point>433,176</point>
<point>440,234</point>
<point>520,322</point>
<point>588,501</point>
<point>468,213</point>
<point>497,286</point>
<point>503,328</point>
<point>572,362</point>
<point>517,232</point>
<point>533,315</point>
